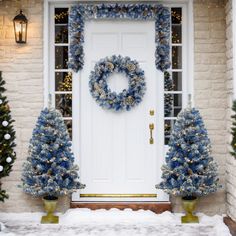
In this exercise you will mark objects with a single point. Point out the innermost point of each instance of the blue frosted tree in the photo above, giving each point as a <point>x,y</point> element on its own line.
<point>49,170</point>
<point>189,171</point>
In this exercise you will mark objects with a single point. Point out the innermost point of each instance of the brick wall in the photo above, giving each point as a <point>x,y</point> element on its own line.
<point>22,67</point>
<point>231,162</point>
<point>210,89</point>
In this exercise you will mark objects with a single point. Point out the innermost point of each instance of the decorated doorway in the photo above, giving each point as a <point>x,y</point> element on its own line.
<point>121,142</point>
<point>117,160</point>
<point>121,151</point>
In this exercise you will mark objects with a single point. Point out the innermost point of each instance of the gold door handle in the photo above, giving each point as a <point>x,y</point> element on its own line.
<point>151,128</point>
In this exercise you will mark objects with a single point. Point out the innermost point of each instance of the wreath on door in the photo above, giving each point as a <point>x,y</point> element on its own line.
<point>111,100</point>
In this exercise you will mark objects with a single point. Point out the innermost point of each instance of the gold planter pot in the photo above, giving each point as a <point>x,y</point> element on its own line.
<point>189,205</point>
<point>50,204</point>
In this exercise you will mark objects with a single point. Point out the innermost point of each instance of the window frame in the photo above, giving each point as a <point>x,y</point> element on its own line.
<point>187,48</point>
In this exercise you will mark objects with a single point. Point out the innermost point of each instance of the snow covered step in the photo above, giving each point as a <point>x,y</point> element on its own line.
<point>157,207</point>
<point>114,222</point>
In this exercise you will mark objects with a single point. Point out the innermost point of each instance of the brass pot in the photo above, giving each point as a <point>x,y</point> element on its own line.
<point>50,204</point>
<point>189,205</point>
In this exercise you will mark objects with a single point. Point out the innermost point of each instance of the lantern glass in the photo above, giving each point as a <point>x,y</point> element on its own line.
<point>20,27</point>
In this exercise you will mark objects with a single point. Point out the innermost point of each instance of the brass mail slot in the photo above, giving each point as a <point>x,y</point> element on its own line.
<point>120,195</point>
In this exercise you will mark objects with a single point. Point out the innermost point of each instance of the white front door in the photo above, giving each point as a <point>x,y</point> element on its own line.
<point>117,161</point>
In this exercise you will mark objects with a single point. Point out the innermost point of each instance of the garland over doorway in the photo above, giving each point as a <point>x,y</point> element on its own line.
<point>82,12</point>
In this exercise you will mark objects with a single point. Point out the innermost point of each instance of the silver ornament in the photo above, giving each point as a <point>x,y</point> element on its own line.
<point>5,123</point>
<point>1,168</point>
<point>7,136</point>
<point>9,160</point>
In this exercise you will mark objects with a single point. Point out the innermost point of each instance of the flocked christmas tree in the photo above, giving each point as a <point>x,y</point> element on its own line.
<point>190,171</point>
<point>49,170</point>
<point>233,131</point>
<point>7,137</point>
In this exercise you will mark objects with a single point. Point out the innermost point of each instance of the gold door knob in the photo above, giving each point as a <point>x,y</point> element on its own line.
<point>151,128</point>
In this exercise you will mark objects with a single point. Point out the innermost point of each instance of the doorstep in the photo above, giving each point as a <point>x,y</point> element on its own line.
<point>157,207</point>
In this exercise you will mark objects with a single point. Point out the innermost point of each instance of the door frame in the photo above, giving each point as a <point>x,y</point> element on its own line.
<point>187,58</point>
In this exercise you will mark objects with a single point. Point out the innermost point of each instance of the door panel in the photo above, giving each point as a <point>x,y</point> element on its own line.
<point>114,150</point>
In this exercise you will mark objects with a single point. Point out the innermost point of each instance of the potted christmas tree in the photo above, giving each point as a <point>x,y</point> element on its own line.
<point>49,170</point>
<point>189,171</point>
<point>7,137</point>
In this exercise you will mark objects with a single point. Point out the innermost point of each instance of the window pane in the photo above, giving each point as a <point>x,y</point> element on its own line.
<point>177,81</point>
<point>168,82</point>
<point>176,57</point>
<point>177,104</point>
<point>61,15</point>
<point>176,34</point>
<point>174,104</point>
<point>61,57</point>
<point>69,127</point>
<point>64,104</point>
<point>63,81</point>
<point>176,15</point>
<point>168,105</point>
<point>172,100</point>
<point>168,127</point>
<point>61,34</point>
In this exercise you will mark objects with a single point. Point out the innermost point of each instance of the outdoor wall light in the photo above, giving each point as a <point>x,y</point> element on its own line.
<point>20,27</point>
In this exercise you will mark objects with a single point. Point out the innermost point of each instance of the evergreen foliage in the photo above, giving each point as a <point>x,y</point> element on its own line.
<point>7,137</point>
<point>189,168</point>
<point>233,130</point>
<point>49,169</point>
<point>168,98</point>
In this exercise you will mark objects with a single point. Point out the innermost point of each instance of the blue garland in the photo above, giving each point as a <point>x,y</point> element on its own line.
<point>126,99</point>
<point>80,13</point>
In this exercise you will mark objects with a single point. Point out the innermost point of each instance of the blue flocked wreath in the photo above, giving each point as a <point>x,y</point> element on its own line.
<point>126,99</point>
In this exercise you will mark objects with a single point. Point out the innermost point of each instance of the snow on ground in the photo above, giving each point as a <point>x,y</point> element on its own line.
<point>114,222</point>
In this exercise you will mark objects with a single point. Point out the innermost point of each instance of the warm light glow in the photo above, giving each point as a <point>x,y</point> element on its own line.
<point>20,26</point>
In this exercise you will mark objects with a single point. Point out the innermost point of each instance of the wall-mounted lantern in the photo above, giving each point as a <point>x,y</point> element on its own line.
<point>20,27</point>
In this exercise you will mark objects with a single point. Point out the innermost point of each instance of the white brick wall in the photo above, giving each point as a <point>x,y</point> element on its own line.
<point>22,67</point>
<point>231,162</point>
<point>210,89</point>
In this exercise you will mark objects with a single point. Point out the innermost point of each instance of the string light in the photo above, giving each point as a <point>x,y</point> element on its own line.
<point>62,36</point>
<point>176,15</point>
<point>61,16</point>
<point>66,85</point>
